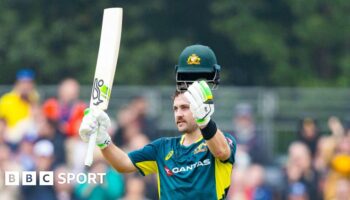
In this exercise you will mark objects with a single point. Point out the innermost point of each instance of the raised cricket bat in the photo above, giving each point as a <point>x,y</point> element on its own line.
<point>105,67</point>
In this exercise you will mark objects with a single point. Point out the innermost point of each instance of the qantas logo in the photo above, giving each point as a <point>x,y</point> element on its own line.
<point>195,165</point>
<point>168,171</point>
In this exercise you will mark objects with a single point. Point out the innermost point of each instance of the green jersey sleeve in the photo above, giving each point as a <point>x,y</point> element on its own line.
<point>145,159</point>
<point>233,145</point>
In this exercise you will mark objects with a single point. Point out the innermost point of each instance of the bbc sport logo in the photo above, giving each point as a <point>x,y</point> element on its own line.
<point>16,178</point>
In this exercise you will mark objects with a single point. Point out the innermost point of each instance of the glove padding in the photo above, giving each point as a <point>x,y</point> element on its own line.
<point>95,121</point>
<point>201,102</point>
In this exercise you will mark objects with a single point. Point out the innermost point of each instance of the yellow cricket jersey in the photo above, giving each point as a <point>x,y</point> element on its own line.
<point>13,109</point>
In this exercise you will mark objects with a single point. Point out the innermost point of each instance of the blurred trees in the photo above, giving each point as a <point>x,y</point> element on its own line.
<point>289,42</point>
<point>267,43</point>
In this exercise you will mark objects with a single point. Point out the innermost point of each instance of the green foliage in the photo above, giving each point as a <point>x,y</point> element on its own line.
<point>268,43</point>
<point>291,42</point>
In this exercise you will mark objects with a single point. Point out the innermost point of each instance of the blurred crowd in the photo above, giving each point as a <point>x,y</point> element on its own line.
<point>317,165</point>
<point>42,135</point>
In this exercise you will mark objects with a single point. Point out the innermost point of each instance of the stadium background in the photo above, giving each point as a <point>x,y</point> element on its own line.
<point>283,63</point>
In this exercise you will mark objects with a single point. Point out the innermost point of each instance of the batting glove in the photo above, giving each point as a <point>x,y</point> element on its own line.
<point>96,121</point>
<point>201,102</point>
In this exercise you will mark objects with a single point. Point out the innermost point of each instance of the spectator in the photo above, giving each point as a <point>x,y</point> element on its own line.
<point>44,156</point>
<point>300,162</point>
<point>65,114</point>
<point>308,134</point>
<point>16,106</point>
<point>339,170</point>
<point>48,129</point>
<point>252,188</point>
<point>67,110</point>
<point>3,129</point>
<point>111,189</point>
<point>243,160</point>
<point>75,149</point>
<point>256,188</point>
<point>135,139</point>
<point>130,137</point>
<point>7,164</point>
<point>336,127</point>
<point>135,189</point>
<point>129,134</point>
<point>147,124</point>
<point>325,150</point>
<point>294,188</point>
<point>25,155</point>
<point>342,189</point>
<point>125,118</point>
<point>238,188</point>
<point>134,125</point>
<point>64,191</point>
<point>246,134</point>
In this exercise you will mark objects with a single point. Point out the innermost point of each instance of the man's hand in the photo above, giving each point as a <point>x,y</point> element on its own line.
<point>95,121</point>
<point>201,102</point>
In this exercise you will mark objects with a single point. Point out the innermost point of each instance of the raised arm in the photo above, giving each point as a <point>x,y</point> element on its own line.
<point>118,159</point>
<point>98,121</point>
<point>202,107</point>
<point>218,146</point>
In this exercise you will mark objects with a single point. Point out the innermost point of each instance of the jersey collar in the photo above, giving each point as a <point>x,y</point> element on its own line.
<point>183,138</point>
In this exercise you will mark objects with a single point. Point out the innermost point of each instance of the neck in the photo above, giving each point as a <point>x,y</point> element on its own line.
<point>190,138</point>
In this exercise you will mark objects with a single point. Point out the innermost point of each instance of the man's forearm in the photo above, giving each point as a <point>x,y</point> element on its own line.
<point>218,146</point>
<point>118,159</point>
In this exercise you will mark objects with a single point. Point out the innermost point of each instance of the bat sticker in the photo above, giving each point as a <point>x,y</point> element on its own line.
<point>96,93</point>
<point>100,92</point>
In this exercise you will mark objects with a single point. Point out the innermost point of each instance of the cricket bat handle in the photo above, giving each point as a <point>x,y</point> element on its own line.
<point>90,151</point>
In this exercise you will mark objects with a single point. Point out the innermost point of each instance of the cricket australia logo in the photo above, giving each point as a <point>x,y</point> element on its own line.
<point>193,60</point>
<point>201,148</point>
<point>100,92</point>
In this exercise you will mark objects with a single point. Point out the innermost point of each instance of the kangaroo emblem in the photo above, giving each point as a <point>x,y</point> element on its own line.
<point>96,94</point>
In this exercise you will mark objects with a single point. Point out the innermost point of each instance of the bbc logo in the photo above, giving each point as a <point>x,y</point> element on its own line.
<point>28,178</point>
<point>47,178</point>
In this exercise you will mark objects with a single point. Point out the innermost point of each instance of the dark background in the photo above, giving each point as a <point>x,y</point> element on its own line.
<point>258,43</point>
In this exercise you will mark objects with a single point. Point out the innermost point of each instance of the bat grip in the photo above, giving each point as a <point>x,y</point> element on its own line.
<point>90,151</point>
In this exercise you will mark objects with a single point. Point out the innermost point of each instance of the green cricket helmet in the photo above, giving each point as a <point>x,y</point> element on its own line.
<point>197,62</point>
